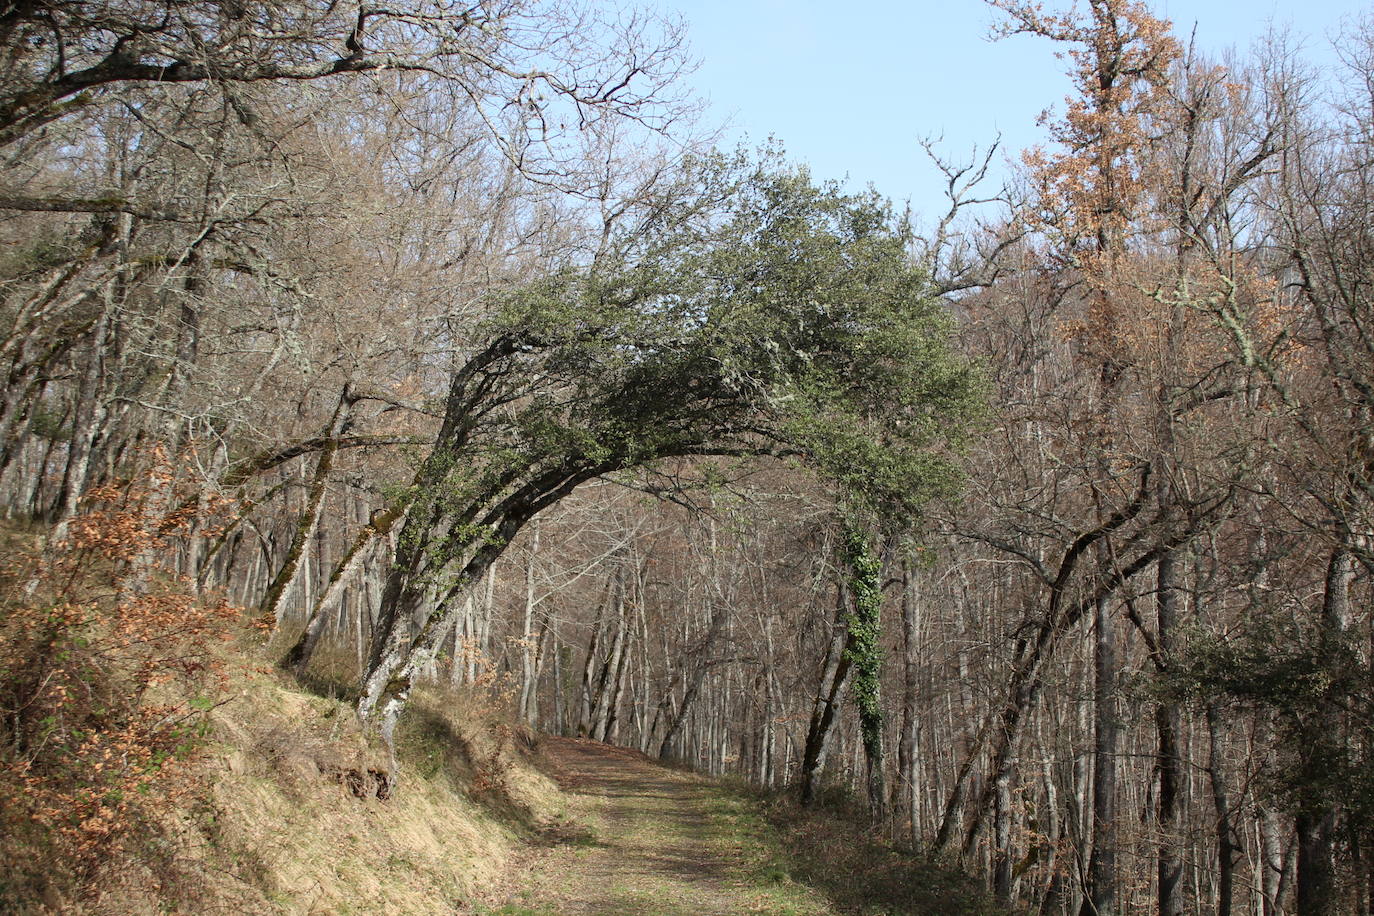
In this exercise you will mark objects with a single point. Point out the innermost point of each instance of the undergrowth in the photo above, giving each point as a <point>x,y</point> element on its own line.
<point>831,846</point>
<point>107,676</point>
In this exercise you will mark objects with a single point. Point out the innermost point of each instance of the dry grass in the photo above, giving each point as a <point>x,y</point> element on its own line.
<point>302,818</point>
<point>155,763</point>
<point>296,812</point>
<point>647,840</point>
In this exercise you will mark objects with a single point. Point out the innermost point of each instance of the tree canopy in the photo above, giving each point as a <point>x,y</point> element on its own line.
<point>740,311</point>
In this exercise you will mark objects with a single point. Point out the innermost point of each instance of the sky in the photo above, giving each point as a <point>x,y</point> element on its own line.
<point>850,87</point>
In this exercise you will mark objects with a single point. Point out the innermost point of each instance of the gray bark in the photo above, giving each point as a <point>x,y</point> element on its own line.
<point>826,708</point>
<point>1101,897</point>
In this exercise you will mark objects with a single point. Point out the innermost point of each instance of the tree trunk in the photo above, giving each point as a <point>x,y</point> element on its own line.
<point>528,674</point>
<point>611,730</point>
<point>1316,820</point>
<point>1228,845</point>
<point>1316,890</point>
<point>589,666</point>
<point>559,726</point>
<point>87,420</point>
<point>607,681</point>
<point>1272,859</point>
<point>298,657</point>
<point>829,695</point>
<point>701,664</point>
<point>1168,765</point>
<point>1102,877</point>
<point>309,521</point>
<point>907,796</point>
<point>864,647</point>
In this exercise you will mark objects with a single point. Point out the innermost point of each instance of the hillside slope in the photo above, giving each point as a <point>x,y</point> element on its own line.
<point>285,807</point>
<point>306,819</point>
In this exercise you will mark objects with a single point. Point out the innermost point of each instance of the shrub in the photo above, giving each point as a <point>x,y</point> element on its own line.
<point>106,679</point>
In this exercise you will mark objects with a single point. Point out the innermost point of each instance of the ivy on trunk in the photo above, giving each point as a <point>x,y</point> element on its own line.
<point>738,312</point>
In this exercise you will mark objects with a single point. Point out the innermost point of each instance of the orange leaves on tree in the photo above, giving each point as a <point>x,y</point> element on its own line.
<point>1088,188</point>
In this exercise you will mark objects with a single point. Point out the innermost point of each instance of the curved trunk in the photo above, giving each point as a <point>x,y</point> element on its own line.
<point>309,521</point>
<point>825,710</point>
<point>298,657</point>
<point>465,552</point>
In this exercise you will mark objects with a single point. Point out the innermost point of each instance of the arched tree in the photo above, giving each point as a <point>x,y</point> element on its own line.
<point>736,312</point>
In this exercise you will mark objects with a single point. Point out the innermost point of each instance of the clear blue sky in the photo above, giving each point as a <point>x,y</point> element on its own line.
<point>849,87</point>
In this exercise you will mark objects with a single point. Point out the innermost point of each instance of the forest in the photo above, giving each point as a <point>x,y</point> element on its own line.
<point>437,346</point>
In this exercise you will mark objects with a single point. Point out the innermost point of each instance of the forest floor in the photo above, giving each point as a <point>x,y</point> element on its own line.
<point>645,839</point>
<point>642,838</point>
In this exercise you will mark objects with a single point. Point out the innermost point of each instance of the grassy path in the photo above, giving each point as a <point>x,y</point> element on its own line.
<point>650,840</point>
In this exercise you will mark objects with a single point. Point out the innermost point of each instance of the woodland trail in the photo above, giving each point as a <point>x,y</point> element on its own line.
<point>651,840</point>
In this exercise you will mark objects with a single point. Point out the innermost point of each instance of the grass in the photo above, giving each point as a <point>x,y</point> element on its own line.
<point>671,843</point>
<point>292,821</point>
<point>283,833</point>
<point>831,848</point>
<point>294,812</point>
<point>661,842</point>
<point>757,848</point>
<point>287,832</point>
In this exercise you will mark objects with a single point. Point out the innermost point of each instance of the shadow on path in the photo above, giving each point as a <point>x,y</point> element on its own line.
<point>651,841</point>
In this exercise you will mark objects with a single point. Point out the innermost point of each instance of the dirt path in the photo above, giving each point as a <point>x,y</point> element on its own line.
<point>643,839</point>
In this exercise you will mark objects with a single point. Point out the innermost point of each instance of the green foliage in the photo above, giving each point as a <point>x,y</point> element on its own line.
<point>1317,694</point>
<point>740,312</point>
<point>865,629</point>
<point>1271,664</point>
<point>50,424</point>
